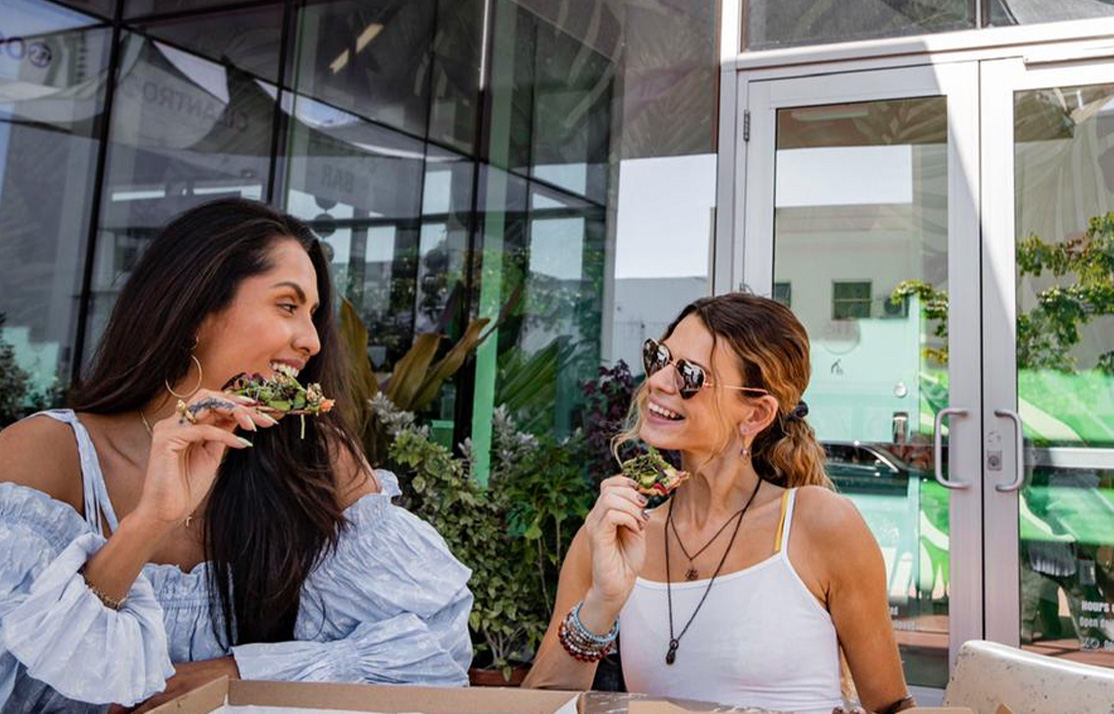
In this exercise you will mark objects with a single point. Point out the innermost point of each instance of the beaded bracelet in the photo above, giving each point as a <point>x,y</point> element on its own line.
<point>582,644</point>
<point>108,601</point>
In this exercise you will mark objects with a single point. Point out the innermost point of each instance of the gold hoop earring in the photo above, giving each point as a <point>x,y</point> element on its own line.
<point>195,387</point>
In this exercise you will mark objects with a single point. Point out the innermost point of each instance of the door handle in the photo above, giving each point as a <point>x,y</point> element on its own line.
<point>938,448</point>
<point>1019,465</point>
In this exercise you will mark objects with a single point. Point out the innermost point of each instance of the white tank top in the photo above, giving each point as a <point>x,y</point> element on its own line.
<point>760,640</point>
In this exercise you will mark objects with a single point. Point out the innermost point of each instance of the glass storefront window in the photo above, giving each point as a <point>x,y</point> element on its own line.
<point>570,113</point>
<point>139,8</point>
<point>249,40</point>
<point>387,126</point>
<point>455,81</point>
<point>1065,368</point>
<point>779,23</point>
<point>600,124</point>
<point>369,58</point>
<point>102,8</point>
<point>185,129</point>
<point>1027,12</point>
<point>860,233</point>
<point>360,187</point>
<point>53,74</point>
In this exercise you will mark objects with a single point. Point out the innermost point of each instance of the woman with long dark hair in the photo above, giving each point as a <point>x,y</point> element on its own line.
<point>746,585</point>
<point>184,534</point>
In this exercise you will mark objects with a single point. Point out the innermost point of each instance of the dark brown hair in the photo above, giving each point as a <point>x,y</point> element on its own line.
<point>274,509</point>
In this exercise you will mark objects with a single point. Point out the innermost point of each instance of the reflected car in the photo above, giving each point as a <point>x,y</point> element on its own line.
<point>861,467</point>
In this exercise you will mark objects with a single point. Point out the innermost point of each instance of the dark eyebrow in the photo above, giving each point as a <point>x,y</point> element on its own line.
<point>301,294</point>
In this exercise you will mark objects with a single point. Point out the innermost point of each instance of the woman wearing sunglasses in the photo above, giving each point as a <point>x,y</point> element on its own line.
<point>745,586</point>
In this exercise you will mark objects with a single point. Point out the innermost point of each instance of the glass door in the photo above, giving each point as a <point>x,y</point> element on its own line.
<point>1048,415</point>
<point>860,213</point>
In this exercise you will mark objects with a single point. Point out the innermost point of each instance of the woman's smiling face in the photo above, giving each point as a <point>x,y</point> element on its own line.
<point>270,320</point>
<point>705,422</point>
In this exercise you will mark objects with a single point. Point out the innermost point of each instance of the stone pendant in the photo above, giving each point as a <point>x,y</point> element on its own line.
<point>691,573</point>
<point>671,655</point>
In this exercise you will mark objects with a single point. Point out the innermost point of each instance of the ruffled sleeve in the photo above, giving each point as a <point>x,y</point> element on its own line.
<point>389,606</point>
<point>53,628</point>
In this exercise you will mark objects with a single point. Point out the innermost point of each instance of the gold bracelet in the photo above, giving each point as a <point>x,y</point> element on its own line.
<point>107,601</point>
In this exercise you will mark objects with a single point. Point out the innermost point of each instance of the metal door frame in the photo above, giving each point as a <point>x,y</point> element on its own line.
<point>958,82</point>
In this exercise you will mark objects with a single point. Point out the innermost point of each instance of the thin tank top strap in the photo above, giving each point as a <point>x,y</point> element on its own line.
<point>97,503</point>
<point>785,521</point>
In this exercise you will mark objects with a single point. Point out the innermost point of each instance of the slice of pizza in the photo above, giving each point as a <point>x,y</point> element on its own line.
<point>281,394</point>
<point>656,478</point>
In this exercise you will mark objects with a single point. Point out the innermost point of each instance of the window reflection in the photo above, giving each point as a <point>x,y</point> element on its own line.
<point>861,212</point>
<point>801,22</point>
<point>455,81</point>
<point>247,39</point>
<point>137,8</point>
<point>185,129</point>
<point>379,142</point>
<point>661,248</point>
<point>1026,12</point>
<point>52,93</point>
<point>1065,368</point>
<point>359,186</point>
<point>369,58</point>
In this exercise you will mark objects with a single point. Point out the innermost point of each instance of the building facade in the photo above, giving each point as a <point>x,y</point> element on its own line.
<point>927,184</point>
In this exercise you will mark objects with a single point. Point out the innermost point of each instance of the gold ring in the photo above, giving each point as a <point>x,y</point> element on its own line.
<point>184,413</point>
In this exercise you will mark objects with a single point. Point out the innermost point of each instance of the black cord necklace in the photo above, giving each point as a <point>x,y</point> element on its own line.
<point>675,640</point>
<point>692,573</point>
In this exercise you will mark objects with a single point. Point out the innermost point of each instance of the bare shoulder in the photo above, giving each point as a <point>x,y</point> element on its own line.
<point>832,525</point>
<point>826,517</point>
<point>354,476</point>
<point>41,453</point>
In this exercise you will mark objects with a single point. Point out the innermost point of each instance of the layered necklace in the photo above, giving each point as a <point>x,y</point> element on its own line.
<point>692,573</point>
<point>675,639</point>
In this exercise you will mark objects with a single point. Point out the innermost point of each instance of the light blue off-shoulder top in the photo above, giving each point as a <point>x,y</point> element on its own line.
<point>389,606</point>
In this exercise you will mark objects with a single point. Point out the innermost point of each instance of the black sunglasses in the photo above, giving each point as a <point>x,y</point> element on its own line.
<point>693,377</point>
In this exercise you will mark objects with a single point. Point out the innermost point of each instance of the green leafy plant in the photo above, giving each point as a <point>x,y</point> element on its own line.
<point>527,383</point>
<point>547,494</point>
<point>606,402</point>
<point>1047,332</point>
<point>513,533</point>
<point>15,383</point>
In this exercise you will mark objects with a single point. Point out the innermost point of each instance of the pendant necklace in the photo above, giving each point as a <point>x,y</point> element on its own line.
<point>692,573</point>
<point>675,640</point>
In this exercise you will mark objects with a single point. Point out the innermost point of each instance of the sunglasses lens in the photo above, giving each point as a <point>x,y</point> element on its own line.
<point>654,357</point>
<point>692,378</point>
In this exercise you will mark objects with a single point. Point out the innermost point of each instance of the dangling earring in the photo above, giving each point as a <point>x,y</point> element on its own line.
<point>195,387</point>
<point>744,453</point>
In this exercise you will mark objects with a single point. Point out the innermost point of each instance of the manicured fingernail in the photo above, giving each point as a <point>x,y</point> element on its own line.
<point>642,499</point>
<point>244,441</point>
<point>251,426</point>
<point>240,398</point>
<point>270,419</point>
<point>645,514</point>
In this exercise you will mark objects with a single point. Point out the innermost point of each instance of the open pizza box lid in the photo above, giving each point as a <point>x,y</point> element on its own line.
<point>243,697</point>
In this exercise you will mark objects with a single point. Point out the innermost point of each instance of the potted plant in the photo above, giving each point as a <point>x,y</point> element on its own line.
<point>512,533</point>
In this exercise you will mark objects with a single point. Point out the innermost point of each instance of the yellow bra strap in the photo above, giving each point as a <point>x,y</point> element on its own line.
<point>781,520</point>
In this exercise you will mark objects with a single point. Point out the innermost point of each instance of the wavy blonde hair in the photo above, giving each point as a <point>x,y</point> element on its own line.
<point>772,350</point>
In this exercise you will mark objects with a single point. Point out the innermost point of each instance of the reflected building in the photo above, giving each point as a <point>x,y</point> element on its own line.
<point>457,158</point>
